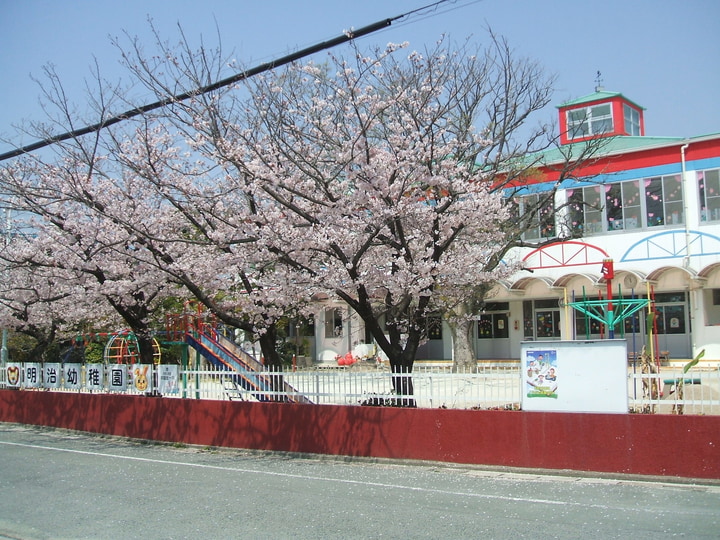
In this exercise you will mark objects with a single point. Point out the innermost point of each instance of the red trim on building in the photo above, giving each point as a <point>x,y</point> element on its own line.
<point>618,114</point>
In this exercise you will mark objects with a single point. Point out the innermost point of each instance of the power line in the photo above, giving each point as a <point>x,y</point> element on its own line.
<point>267,66</point>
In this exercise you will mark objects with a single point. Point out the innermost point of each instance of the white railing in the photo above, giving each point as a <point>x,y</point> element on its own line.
<point>487,387</point>
<point>491,387</point>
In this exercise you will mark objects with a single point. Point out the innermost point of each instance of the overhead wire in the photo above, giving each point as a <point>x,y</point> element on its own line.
<point>426,11</point>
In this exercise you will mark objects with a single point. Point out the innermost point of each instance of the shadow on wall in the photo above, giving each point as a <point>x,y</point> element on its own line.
<point>615,443</point>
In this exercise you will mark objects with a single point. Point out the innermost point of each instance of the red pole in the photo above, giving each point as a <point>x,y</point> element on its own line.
<point>609,273</point>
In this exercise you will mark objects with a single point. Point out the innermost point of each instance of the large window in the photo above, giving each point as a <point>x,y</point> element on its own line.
<point>709,183</point>
<point>586,210</point>
<point>541,319</point>
<point>589,121</point>
<point>623,209</point>
<point>586,326</point>
<point>628,205</point>
<point>670,308</point>
<point>494,325</point>
<point>541,212</point>
<point>632,120</point>
<point>663,200</point>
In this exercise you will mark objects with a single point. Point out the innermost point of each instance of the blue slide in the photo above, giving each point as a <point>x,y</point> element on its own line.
<point>246,371</point>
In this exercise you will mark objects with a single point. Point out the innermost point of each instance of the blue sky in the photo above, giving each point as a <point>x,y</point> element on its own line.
<point>662,54</point>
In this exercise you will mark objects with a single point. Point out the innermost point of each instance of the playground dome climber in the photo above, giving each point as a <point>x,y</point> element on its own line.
<point>122,348</point>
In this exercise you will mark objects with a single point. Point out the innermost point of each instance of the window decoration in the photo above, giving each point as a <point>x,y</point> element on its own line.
<point>623,206</point>
<point>542,216</point>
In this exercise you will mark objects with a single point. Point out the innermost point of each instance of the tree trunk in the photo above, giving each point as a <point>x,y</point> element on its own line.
<point>463,353</point>
<point>403,386</point>
<point>145,345</point>
<point>273,362</point>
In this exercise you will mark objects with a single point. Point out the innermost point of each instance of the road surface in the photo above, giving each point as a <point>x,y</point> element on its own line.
<point>61,484</point>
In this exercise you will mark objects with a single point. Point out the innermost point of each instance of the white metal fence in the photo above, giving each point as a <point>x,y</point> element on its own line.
<point>487,387</point>
<point>490,387</point>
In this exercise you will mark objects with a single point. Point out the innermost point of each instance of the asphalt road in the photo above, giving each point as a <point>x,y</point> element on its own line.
<point>59,484</point>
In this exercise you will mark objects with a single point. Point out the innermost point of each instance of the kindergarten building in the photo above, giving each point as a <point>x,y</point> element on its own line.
<point>650,205</point>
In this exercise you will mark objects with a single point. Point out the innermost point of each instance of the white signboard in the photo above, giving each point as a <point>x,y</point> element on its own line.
<point>167,379</point>
<point>52,375</point>
<point>13,374</point>
<point>71,376</point>
<point>94,377</point>
<point>33,375</point>
<point>142,377</point>
<point>117,377</point>
<point>575,376</point>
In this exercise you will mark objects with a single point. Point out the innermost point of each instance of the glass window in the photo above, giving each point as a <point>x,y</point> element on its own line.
<point>672,194</point>
<point>500,325</point>
<point>709,183</point>
<point>663,201</point>
<point>586,326</point>
<point>303,327</point>
<point>654,214</point>
<point>622,202</point>
<point>632,212</point>
<point>434,327</point>
<point>623,208</point>
<point>614,212</point>
<point>577,123</point>
<point>588,121</point>
<point>548,323</point>
<point>671,319</point>
<point>586,212</point>
<point>632,120</point>
<point>497,306</point>
<point>601,119</point>
<point>541,319</point>
<point>671,297</point>
<point>485,327</point>
<point>541,211</point>
<point>494,325</point>
<point>333,323</point>
<point>528,327</point>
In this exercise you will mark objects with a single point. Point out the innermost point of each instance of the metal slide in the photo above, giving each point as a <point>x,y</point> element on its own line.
<point>247,372</point>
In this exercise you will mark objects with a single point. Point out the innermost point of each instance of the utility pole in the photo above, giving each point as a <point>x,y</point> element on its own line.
<point>4,347</point>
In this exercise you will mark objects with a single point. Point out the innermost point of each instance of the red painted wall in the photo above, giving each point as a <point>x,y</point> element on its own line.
<point>682,446</point>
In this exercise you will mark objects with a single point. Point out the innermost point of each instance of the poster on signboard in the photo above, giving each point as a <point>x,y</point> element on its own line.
<point>541,374</point>
<point>142,377</point>
<point>167,379</point>
<point>117,377</point>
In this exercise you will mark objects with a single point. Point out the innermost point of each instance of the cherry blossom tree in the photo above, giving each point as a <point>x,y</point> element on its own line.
<point>380,180</point>
<point>515,89</point>
<point>47,303</point>
<point>59,206</point>
<point>370,182</point>
<point>366,179</point>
